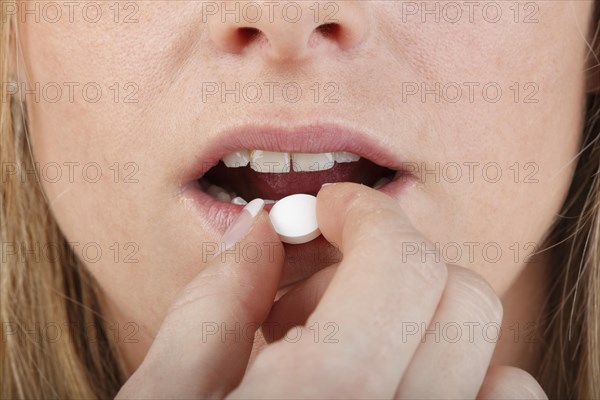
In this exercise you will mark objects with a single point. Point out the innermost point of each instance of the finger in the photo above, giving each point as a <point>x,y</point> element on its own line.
<point>204,344</point>
<point>458,344</point>
<point>376,288</point>
<point>294,307</point>
<point>504,382</point>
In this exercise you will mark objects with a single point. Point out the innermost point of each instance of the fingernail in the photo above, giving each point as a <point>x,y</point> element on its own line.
<point>328,184</point>
<point>241,226</point>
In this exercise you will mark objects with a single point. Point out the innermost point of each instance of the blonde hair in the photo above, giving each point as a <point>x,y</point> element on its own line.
<point>42,293</point>
<point>56,290</point>
<point>571,364</point>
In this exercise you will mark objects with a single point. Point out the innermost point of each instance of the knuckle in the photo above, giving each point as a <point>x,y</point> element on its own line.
<point>419,255</point>
<point>429,266</point>
<point>511,382</point>
<point>216,288</point>
<point>477,294</point>
<point>196,291</point>
<point>344,379</point>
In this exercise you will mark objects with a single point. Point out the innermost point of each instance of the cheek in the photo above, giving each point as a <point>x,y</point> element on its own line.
<point>96,165</point>
<point>499,167</point>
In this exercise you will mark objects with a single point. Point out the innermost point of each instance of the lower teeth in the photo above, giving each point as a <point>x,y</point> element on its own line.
<point>219,193</point>
<point>231,197</point>
<point>381,182</point>
<point>239,201</point>
<point>225,196</point>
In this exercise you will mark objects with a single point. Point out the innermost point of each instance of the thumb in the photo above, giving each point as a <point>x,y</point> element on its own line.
<point>204,344</point>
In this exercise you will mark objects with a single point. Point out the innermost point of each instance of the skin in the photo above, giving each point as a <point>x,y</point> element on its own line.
<point>170,51</point>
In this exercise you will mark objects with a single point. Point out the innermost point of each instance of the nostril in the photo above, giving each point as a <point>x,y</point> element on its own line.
<point>243,37</point>
<point>330,30</point>
<point>246,35</point>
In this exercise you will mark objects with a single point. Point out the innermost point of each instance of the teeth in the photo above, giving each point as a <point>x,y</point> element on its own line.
<point>381,182</point>
<point>303,162</point>
<point>224,197</point>
<point>237,159</point>
<point>219,193</point>
<point>278,162</point>
<point>239,201</point>
<point>270,161</point>
<point>345,157</point>
<point>214,190</point>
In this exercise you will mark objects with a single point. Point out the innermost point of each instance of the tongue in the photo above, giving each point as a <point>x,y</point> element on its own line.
<point>249,184</point>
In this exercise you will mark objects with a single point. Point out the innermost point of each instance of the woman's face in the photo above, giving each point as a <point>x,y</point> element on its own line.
<point>480,104</point>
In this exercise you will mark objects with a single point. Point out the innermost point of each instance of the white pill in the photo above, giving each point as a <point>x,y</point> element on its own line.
<point>295,218</point>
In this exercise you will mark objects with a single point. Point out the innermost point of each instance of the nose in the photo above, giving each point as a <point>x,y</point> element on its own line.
<point>284,31</point>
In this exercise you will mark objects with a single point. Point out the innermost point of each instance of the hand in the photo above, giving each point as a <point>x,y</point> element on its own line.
<point>376,297</point>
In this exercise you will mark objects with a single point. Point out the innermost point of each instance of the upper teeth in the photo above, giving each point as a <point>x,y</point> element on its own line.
<point>270,162</point>
<point>276,162</point>
<point>345,157</point>
<point>303,162</point>
<point>237,159</point>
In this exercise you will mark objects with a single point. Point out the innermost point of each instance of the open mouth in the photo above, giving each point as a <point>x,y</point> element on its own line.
<point>271,162</point>
<point>246,174</point>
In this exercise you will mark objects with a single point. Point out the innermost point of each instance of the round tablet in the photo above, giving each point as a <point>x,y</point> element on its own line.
<point>295,218</point>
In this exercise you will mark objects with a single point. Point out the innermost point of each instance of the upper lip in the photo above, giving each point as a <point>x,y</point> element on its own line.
<point>317,138</point>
